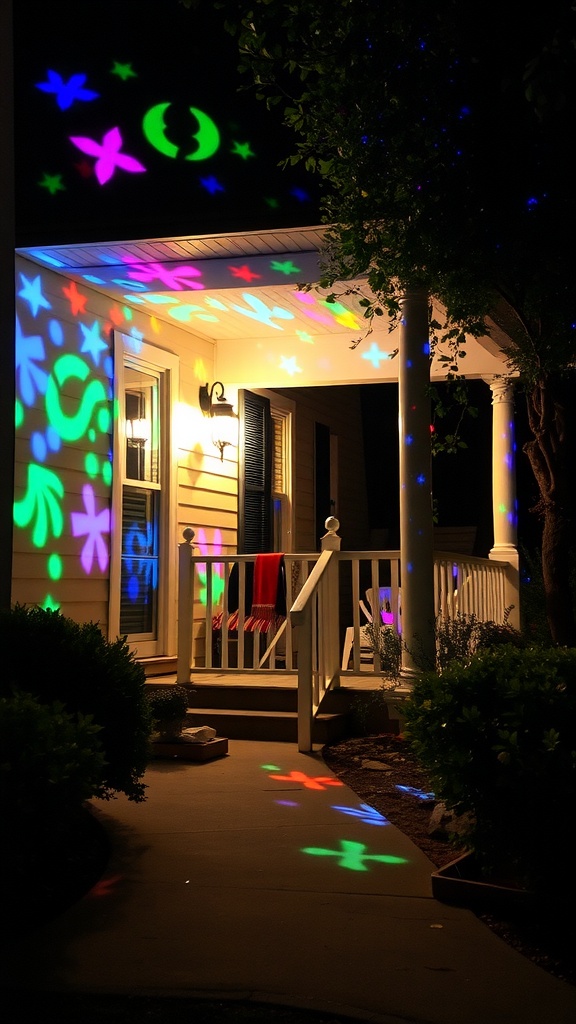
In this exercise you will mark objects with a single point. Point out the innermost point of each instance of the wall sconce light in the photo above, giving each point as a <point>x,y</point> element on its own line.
<point>138,431</point>
<point>224,419</point>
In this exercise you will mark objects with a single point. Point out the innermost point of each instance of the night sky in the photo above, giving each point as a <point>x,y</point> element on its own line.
<point>192,154</point>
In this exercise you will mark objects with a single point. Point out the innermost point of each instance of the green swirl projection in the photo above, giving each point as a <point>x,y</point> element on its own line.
<point>72,428</point>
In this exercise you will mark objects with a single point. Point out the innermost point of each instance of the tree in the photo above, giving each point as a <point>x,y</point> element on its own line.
<point>443,141</point>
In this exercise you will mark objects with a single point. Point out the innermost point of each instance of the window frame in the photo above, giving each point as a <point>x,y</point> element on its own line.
<point>165,365</point>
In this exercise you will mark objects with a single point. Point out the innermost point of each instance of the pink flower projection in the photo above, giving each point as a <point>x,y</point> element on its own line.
<point>92,525</point>
<point>108,155</point>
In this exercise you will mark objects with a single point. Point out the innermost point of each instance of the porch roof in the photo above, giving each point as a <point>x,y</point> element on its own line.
<point>246,287</point>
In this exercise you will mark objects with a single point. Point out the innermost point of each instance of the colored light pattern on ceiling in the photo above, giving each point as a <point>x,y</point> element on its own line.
<point>204,292</point>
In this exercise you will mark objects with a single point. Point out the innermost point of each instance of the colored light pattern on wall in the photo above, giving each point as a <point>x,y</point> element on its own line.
<point>64,413</point>
<point>217,570</point>
<point>63,400</point>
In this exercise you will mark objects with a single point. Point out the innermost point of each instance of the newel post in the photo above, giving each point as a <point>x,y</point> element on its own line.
<point>331,639</point>
<point>185,606</point>
<point>331,541</point>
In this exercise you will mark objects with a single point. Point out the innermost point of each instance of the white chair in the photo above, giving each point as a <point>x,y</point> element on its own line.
<point>383,612</point>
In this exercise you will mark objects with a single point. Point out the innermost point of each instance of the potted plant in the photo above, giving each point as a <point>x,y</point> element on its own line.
<point>168,708</point>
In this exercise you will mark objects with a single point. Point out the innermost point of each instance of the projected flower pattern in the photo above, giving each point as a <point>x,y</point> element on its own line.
<point>349,854</point>
<point>149,125</point>
<point>63,398</point>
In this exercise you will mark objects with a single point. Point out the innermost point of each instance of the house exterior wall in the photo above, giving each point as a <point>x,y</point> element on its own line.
<point>65,410</point>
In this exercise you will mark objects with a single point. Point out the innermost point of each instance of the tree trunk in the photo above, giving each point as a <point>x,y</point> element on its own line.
<point>552,451</point>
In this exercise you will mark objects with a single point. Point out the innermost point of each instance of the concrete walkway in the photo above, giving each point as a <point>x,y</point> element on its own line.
<point>258,876</point>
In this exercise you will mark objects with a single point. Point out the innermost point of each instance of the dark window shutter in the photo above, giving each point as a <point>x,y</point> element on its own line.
<point>323,507</point>
<point>254,474</point>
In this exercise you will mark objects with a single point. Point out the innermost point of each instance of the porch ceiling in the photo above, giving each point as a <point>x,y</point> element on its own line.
<point>246,287</point>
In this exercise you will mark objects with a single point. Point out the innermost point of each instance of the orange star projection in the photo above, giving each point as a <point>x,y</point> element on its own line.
<point>307,781</point>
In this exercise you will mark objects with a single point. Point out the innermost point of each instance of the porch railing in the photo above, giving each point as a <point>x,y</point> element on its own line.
<point>462,584</point>
<point>324,592</point>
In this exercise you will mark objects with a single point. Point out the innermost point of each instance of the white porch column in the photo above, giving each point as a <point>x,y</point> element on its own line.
<point>416,524</point>
<point>504,503</point>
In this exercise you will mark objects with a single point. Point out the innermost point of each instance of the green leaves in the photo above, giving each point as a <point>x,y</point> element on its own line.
<point>498,738</point>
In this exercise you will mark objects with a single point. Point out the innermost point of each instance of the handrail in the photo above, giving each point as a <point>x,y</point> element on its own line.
<point>318,642</point>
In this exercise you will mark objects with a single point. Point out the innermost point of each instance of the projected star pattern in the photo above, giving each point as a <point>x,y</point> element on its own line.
<point>53,360</point>
<point>206,292</point>
<point>94,119</point>
<point>64,397</point>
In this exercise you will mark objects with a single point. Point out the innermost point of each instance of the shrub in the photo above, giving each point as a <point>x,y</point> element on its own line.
<point>51,761</point>
<point>498,740</point>
<point>460,638</point>
<point>57,659</point>
<point>386,644</point>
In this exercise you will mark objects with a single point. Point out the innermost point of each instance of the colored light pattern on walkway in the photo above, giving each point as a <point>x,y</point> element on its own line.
<point>354,856</point>
<point>351,855</point>
<point>307,781</point>
<point>369,815</point>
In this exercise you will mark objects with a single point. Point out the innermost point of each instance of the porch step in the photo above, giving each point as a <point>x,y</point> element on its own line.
<point>161,666</point>
<point>259,712</point>
<point>269,711</point>
<point>277,726</point>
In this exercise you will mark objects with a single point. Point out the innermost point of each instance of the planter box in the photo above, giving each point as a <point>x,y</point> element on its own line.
<point>186,751</point>
<point>461,884</point>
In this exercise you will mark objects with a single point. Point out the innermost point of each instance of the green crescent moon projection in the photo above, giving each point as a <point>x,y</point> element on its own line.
<point>207,136</point>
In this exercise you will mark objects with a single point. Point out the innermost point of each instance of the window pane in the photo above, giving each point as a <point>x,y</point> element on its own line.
<point>142,426</point>
<point>139,572</point>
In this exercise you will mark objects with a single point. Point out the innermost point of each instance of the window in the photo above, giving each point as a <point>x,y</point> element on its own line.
<point>141,505</point>
<point>143,566</point>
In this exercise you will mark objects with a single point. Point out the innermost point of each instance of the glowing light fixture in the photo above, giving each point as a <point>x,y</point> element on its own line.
<point>224,419</point>
<point>138,431</point>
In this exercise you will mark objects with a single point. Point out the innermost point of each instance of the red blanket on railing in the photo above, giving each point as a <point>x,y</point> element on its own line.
<point>269,594</point>
<point>265,594</point>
